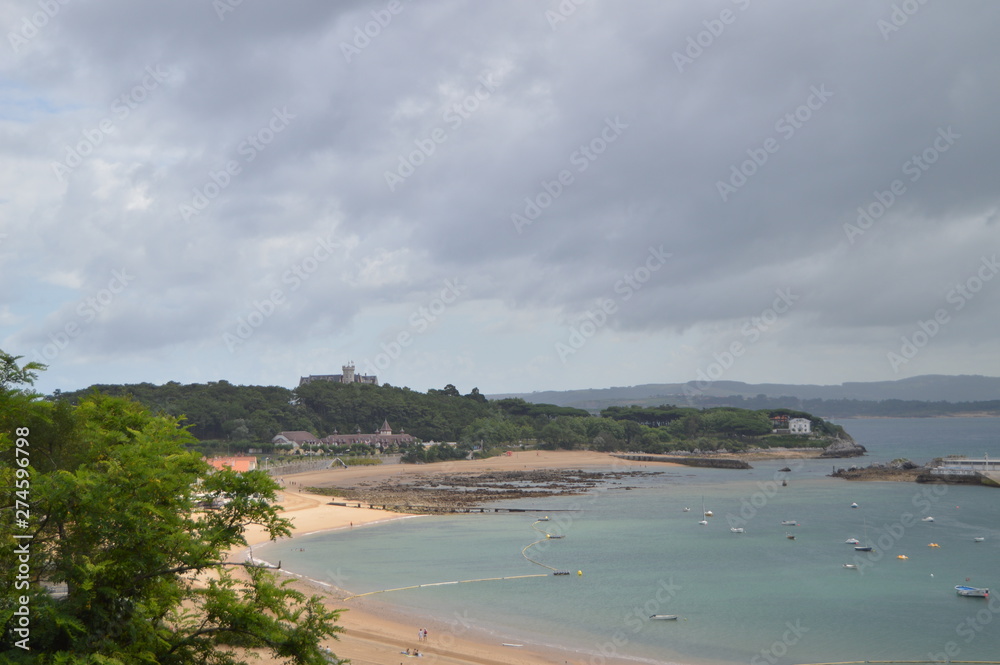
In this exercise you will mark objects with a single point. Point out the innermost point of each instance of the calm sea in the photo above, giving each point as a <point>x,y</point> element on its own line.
<point>756,597</point>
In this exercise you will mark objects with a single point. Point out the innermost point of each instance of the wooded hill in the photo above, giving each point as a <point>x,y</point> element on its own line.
<point>250,416</point>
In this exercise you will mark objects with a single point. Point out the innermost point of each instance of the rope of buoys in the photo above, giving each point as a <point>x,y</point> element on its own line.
<point>484,579</point>
<point>537,563</point>
<point>420,586</point>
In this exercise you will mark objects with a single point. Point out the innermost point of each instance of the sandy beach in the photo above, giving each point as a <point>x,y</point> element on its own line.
<point>375,633</point>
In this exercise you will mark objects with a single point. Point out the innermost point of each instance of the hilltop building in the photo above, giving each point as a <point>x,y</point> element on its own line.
<point>800,426</point>
<point>382,439</point>
<point>295,439</point>
<point>782,424</point>
<point>348,376</point>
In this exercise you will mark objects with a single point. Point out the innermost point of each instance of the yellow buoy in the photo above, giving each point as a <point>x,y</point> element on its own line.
<point>579,572</point>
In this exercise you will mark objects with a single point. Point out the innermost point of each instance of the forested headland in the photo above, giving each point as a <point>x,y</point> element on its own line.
<point>231,418</point>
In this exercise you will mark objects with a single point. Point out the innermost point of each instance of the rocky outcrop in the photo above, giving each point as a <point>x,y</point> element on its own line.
<point>844,448</point>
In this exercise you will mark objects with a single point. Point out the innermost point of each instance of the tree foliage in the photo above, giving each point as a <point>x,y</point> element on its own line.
<point>114,523</point>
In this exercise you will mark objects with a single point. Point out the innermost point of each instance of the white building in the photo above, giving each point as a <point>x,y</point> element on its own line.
<point>799,426</point>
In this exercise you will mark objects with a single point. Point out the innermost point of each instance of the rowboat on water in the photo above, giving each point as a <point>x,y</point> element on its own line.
<point>663,617</point>
<point>972,592</point>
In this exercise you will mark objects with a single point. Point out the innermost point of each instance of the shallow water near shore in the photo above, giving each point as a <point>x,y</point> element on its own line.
<point>753,597</point>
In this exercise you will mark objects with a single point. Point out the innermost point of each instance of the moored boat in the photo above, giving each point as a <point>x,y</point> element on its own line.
<point>972,592</point>
<point>852,541</point>
<point>663,617</point>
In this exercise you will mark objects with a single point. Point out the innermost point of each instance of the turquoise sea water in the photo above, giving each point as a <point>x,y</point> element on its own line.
<point>756,597</point>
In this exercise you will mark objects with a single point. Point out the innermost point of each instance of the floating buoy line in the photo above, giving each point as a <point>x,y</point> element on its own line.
<point>555,571</point>
<point>548,536</point>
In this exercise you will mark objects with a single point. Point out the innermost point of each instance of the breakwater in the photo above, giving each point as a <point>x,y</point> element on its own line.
<point>711,462</point>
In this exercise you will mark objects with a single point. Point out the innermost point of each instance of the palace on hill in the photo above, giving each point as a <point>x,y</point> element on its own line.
<point>348,376</point>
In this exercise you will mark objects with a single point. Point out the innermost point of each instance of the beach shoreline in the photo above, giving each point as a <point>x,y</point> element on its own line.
<point>377,632</point>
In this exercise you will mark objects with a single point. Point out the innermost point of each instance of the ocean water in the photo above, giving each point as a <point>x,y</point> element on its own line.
<point>756,597</point>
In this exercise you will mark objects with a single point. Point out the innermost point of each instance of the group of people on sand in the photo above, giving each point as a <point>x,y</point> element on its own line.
<point>421,637</point>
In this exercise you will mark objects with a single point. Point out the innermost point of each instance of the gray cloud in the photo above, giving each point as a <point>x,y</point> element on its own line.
<point>230,145</point>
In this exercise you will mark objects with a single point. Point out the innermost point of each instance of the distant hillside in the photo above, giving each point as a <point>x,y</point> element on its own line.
<point>927,388</point>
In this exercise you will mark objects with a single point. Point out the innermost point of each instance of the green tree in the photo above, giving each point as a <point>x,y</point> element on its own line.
<point>113,495</point>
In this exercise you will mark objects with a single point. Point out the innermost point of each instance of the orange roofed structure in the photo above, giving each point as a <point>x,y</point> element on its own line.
<point>234,463</point>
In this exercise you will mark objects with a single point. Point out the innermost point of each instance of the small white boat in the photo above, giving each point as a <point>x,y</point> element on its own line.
<point>852,566</point>
<point>854,505</point>
<point>789,523</point>
<point>972,592</point>
<point>686,509</point>
<point>663,617</point>
<point>736,529</point>
<point>703,522</point>
<point>978,539</point>
<point>927,519</point>
<point>852,541</point>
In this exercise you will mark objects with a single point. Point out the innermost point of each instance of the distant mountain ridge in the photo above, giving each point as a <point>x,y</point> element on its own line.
<point>925,388</point>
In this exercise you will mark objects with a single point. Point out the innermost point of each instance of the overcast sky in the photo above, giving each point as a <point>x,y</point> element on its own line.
<point>516,196</point>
